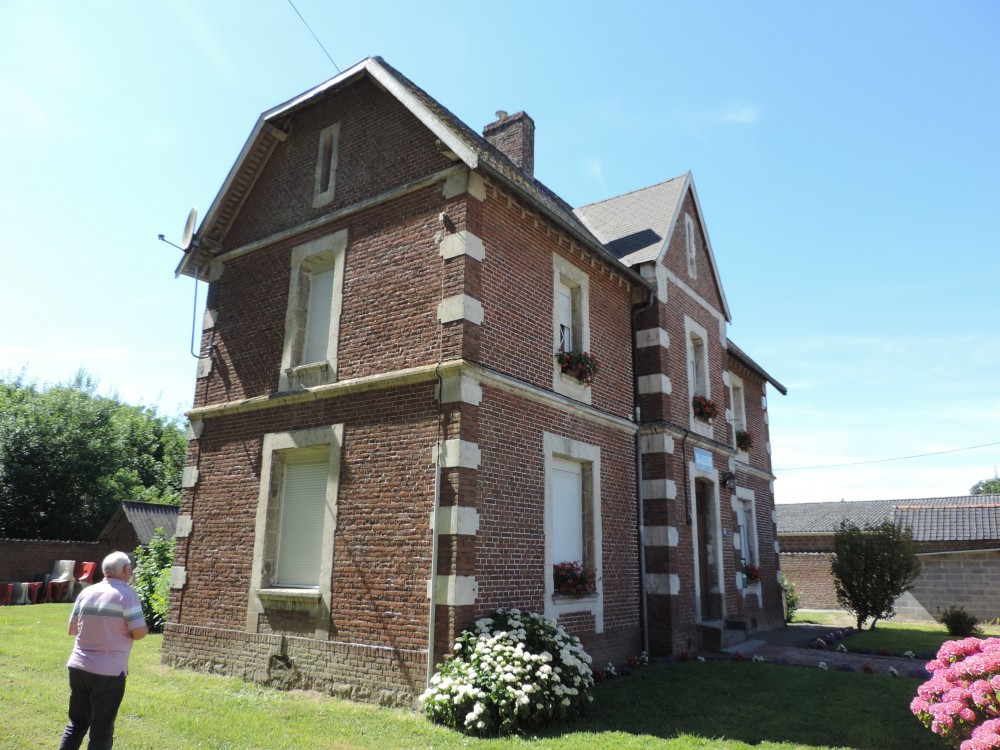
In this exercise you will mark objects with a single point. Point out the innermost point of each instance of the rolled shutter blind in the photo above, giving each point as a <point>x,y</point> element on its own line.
<point>300,537</point>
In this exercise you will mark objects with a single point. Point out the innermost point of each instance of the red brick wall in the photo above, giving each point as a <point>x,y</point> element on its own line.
<point>810,572</point>
<point>381,146</point>
<point>517,294</point>
<point>392,287</point>
<point>754,388</point>
<point>28,559</point>
<point>381,547</point>
<point>510,545</point>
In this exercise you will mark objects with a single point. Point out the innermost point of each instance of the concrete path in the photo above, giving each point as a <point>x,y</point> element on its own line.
<point>791,645</point>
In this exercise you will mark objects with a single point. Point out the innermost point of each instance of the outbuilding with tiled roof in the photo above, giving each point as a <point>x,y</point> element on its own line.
<point>958,542</point>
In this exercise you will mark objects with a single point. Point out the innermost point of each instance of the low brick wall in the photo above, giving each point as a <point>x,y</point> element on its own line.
<point>27,559</point>
<point>810,572</point>
<point>370,674</point>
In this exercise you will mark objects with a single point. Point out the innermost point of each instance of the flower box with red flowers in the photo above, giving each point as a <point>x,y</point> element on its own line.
<point>572,579</point>
<point>744,440</point>
<point>704,409</point>
<point>752,572</point>
<point>579,365</point>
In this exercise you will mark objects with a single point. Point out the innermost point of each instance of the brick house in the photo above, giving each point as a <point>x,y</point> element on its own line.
<point>383,444</point>
<point>957,539</point>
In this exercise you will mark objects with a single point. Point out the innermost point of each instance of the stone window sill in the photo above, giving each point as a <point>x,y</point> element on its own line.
<point>289,598</point>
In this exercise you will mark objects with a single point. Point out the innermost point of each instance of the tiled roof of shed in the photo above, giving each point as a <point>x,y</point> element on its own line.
<point>938,519</point>
<point>951,523</point>
<point>146,518</point>
<point>634,226</point>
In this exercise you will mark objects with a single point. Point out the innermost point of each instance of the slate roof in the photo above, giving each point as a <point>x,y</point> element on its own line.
<point>635,225</point>
<point>935,519</point>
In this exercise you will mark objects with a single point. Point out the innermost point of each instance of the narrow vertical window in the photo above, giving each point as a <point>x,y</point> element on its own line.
<point>325,159</point>
<point>739,407</point>
<point>326,165</point>
<point>317,335</point>
<point>312,317</point>
<point>692,252</point>
<point>699,366</point>
<point>565,312</point>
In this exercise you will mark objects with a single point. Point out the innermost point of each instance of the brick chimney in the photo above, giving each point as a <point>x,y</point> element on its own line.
<point>514,135</point>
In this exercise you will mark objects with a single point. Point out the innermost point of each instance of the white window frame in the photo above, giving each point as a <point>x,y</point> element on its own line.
<point>566,275</point>
<point>691,245</point>
<point>699,377</point>
<point>558,448</point>
<point>321,254</point>
<point>745,505</point>
<point>277,449</point>
<point>325,180</point>
<point>737,397</point>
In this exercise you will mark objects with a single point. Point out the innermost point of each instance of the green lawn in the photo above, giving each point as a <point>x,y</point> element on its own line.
<point>898,637</point>
<point>663,707</point>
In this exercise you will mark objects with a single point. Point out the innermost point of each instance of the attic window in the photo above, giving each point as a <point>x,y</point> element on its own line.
<point>326,165</point>
<point>692,251</point>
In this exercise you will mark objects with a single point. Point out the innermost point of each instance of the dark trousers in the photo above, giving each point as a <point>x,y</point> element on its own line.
<point>93,705</point>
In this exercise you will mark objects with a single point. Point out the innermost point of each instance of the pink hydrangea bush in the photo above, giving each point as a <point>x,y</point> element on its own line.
<point>961,700</point>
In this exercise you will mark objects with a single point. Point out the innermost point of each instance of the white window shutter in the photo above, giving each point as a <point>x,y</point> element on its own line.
<point>300,536</point>
<point>317,338</point>
<point>565,312</point>
<point>567,512</point>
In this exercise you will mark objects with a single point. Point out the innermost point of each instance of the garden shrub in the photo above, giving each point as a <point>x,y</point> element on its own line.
<point>510,672</point>
<point>152,579</point>
<point>961,623</point>
<point>792,598</point>
<point>960,701</point>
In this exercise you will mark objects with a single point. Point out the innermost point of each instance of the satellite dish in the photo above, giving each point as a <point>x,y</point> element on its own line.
<point>189,229</point>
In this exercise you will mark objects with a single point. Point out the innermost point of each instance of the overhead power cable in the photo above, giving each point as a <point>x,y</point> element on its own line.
<point>314,36</point>
<point>884,460</point>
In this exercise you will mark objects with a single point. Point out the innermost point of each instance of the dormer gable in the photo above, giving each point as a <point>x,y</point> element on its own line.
<point>662,225</point>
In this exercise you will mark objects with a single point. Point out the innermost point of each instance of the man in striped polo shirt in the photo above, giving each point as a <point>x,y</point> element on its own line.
<point>106,620</point>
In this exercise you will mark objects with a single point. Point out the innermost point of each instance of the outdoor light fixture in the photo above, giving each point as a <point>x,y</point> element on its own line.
<point>729,480</point>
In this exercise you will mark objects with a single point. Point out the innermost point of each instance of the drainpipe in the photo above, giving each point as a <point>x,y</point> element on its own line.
<point>640,500</point>
<point>432,589</point>
<point>436,506</point>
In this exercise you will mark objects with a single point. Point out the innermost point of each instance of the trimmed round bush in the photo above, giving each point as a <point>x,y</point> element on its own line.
<point>510,672</point>
<point>961,623</point>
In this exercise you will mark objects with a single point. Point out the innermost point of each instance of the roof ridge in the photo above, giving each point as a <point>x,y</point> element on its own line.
<point>631,192</point>
<point>948,507</point>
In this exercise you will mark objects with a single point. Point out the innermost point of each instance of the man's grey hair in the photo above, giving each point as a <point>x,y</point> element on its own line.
<point>115,563</point>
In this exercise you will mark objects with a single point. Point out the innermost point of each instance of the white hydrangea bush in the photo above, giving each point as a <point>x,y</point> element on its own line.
<point>511,671</point>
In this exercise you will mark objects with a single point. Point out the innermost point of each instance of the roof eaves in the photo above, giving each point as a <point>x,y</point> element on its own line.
<point>746,360</point>
<point>583,237</point>
<point>373,67</point>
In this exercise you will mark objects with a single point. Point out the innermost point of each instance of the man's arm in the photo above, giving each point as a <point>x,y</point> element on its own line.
<point>73,629</point>
<point>139,633</point>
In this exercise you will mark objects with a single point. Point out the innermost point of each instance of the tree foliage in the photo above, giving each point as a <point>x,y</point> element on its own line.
<point>152,579</point>
<point>986,487</point>
<point>69,456</point>
<point>873,566</point>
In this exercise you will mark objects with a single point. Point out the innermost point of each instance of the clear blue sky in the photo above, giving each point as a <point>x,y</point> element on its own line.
<point>845,154</point>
